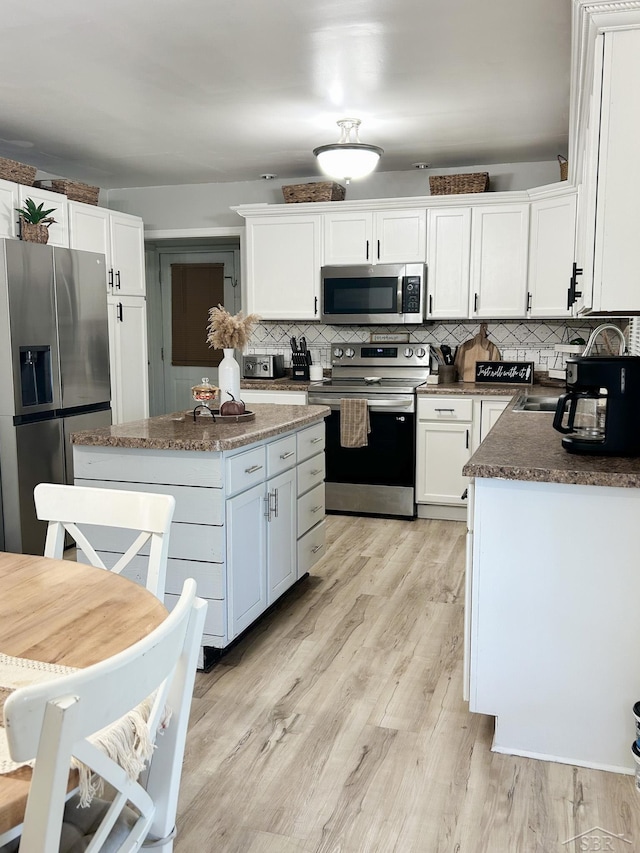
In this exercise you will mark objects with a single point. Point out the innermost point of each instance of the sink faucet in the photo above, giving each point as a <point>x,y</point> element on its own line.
<point>605,327</point>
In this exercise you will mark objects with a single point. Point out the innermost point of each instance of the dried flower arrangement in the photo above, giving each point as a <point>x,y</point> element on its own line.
<point>229,331</point>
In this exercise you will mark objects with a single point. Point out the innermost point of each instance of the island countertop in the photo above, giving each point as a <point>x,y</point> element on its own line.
<point>178,431</point>
<point>525,446</point>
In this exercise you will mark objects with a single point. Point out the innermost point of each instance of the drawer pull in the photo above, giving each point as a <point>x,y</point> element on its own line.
<point>315,440</point>
<point>316,508</point>
<point>316,549</point>
<point>315,472</point>
<point>287,455</point>
<point>253,469</point>
<point>445,410</point>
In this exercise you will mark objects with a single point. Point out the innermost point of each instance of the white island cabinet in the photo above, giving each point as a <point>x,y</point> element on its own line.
<point>551,596</point>
<point>249,520</point>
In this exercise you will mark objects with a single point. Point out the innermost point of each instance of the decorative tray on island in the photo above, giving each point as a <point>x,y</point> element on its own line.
<point>205,412</point>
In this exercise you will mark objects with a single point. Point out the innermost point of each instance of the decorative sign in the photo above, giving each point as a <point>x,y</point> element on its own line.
<point>508,372</point>
<point>389,337</point>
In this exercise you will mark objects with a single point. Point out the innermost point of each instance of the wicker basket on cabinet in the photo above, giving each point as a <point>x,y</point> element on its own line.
<point>19,173</point>
<point>74,190</point>
<point>318,191</point>
<point>472,182</point>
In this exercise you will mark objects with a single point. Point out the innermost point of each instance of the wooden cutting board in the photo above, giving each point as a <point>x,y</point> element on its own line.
<point>479,348</point>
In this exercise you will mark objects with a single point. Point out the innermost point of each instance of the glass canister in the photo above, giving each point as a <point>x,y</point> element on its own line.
<point>205,394</point>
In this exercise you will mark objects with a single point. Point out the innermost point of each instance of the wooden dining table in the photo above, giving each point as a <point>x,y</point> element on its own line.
<point>63,612</point>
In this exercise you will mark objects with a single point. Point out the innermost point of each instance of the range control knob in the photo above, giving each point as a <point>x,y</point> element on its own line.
<point>350,352</point>
<point>421,352</point>
<point>265,366</point>
<point>408,352</point>
<point>338,352</point>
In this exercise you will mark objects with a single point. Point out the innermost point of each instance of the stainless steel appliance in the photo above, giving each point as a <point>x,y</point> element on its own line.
<point>262,366</point>
<point>378,479</point>
<point>602,405</point>
<point>54,374</point>
<point>382,294</point>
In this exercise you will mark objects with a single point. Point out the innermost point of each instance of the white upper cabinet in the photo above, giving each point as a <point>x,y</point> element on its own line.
<point>89,228</point>
<point>348,238</point>
<point>58,230</point>
<point>127,254</point>
<point>615,265</point>
<point>551,255</point>
<point>128,358</point>
<point>119,236</point>
<point>283,260</point>
<point>8,204</point>
<point>371,237</point>
<point>400,236</point>
<point>499,240</point>
<point>448,256</point>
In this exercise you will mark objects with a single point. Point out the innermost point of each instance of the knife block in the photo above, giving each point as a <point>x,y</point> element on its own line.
<point>300,362</point>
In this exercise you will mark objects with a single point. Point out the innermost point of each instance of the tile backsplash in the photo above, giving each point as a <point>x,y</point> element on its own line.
<point>524,340</point>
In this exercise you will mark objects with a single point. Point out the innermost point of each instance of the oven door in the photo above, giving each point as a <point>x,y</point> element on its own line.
<point>377,479</point>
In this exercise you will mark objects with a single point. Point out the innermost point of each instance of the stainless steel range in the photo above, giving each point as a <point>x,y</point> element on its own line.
<point>378,479</point>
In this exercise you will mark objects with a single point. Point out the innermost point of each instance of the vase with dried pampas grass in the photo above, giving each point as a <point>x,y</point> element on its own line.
<point>228,332</point>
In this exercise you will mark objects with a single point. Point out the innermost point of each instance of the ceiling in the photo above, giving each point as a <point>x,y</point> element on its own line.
<point>152,92</point>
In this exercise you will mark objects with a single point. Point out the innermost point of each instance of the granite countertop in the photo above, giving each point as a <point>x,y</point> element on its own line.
<point>285,383</point>
<point>489,389</point>
<point>525,446</point>
<point>178,431</point>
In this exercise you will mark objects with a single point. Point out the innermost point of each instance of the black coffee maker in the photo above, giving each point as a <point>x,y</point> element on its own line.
<point>602,405</point>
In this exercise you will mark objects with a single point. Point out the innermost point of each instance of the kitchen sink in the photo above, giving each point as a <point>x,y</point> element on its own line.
<point>535,403</point>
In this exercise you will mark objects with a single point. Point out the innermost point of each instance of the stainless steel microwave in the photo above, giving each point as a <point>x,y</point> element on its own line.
<point>382,294</point>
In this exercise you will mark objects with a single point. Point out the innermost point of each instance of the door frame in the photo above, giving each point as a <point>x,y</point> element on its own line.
<point>157,243</point>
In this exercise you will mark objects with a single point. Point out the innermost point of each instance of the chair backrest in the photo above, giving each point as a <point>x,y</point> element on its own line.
<point>66,507</point>
<point>53,721</point>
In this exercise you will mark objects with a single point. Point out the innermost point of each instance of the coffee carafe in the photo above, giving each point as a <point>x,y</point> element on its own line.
<point>602,406</point>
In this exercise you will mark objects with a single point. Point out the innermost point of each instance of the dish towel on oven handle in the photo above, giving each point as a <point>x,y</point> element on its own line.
<point>354,423</point>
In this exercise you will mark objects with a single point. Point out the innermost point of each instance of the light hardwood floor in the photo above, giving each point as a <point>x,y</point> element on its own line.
<point>338,725</point>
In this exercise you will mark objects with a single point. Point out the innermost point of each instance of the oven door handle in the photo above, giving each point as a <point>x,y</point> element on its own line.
<point>334,405</point>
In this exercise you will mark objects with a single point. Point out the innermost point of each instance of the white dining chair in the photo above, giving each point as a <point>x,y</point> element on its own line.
<point>54,721</point>
<point>67,507</point>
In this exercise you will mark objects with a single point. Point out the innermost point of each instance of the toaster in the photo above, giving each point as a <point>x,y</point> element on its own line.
<point>262,366</point>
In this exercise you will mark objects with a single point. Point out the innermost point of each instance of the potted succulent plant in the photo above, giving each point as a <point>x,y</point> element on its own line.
<point>34,221</point>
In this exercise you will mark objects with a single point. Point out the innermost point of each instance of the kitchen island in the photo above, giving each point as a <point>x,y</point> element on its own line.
<point>249,517</point>
<point>552,589</point>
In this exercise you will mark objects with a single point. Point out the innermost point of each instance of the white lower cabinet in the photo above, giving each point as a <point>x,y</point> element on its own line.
<point>281,511</point>
<point>248,523</point>
<point>449,430</point>
<point>490,411</point>
<point>247,583</point>
<point>286,398</point>
<point>443,449</point>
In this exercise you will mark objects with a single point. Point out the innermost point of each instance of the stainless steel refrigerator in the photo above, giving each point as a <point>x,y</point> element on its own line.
<point>54,374</point>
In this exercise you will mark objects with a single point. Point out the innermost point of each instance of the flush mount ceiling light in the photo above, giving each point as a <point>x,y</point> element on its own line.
<point>348,158</point>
